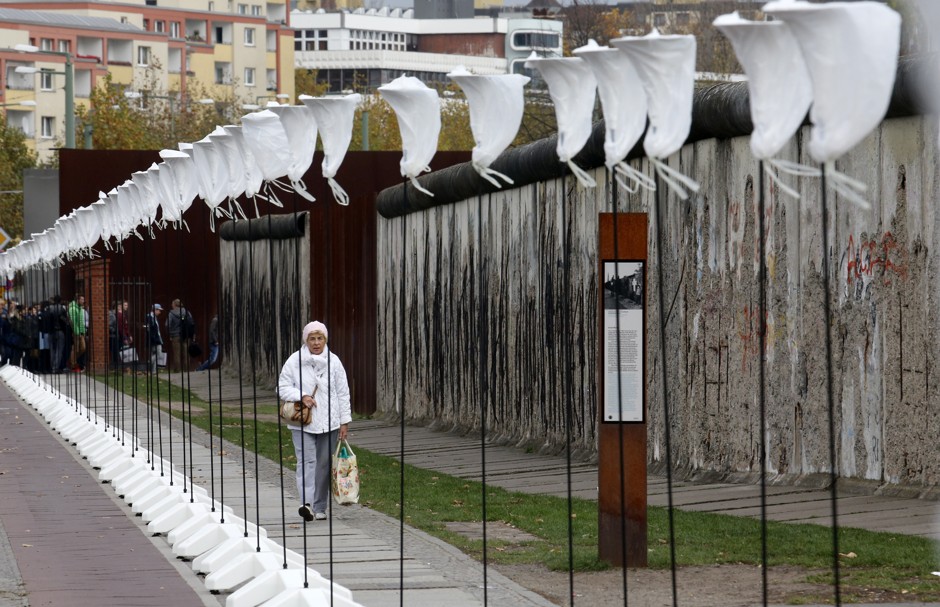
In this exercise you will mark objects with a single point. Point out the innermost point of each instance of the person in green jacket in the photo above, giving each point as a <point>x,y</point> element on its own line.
<point>76,313</point>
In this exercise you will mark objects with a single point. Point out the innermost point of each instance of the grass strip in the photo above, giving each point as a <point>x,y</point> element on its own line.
<point>888,562</point>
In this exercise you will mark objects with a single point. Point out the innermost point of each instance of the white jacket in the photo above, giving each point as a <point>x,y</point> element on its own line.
<point>332,390</point>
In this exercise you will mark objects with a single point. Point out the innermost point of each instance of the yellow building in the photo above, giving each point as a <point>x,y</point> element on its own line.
<point>237,52</point>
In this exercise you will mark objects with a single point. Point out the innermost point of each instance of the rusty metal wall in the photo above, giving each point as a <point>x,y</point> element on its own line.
<point>185,263</point>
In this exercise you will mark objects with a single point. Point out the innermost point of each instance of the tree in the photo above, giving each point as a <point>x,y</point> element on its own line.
<point>593,20</point>
<point>15,157</point>
<point>154,119</point>
<point>305,83</point>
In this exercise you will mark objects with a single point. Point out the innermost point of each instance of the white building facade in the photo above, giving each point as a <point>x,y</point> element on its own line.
<point>371,48</point>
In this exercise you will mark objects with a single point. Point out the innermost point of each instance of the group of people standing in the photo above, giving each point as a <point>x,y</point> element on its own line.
<point>180,329</point>
<point>46,337</point>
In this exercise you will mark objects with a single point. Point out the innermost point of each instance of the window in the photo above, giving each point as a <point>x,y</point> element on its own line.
<point>242,9</point>
<point>682,19</point>
<point>527,40</point>
<point>219,35</point>
<point>174,29</point>
<point>48,127</point>
<point>146,25</point>
<point>256,11</point>
<point>45,80</point>
<point>211,6</point>
<point>46,44</point>
<point>222,73</point>
<point>249,36</point>
<point>659,19</point>
<point>249,76</point>
<point>65,46</point>
<point>159,26</point>
<point>143,55</point>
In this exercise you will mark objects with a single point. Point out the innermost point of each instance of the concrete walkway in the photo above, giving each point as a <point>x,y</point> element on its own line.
<point>358,547</point>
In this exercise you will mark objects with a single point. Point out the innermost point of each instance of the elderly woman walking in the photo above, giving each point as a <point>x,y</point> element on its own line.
<point>315,377</point>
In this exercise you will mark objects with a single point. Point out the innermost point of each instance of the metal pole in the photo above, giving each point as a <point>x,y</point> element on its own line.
<point>69,102</point>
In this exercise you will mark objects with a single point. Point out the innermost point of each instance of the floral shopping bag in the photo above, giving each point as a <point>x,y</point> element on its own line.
<point>345,475</point>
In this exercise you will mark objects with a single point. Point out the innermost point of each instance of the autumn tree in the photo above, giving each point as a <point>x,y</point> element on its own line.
<point>594,20</point>
<point>305,83</point>
<point>152,119</point>
<point>15,157</point>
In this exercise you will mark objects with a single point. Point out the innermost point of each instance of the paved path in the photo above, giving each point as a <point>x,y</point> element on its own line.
<point>516,470</point>
<point>364,555</point>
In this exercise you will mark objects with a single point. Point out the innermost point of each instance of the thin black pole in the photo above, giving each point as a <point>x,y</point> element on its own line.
<point>254,392</point>
<point>241,398</point>
<point>280,442</point>
<point>614,202</point>
<point>762,336</point>
<point>666,418</point>
<point>218,298</point>
<point>827,316</point>
<point>328,239</point>
<point>567,375</point>
<point>403,365</point>
<point>482,344</point>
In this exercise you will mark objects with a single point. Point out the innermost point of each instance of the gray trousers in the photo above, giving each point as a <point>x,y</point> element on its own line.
<point>313,467</point>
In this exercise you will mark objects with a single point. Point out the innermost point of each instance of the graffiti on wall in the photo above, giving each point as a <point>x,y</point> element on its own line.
<point>873,258</point>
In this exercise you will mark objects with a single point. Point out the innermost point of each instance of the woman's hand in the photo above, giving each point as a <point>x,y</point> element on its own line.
<point>308,401</point>
<point>343,431</point>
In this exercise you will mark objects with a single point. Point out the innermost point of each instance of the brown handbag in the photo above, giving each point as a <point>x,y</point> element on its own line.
<point>297,412</point>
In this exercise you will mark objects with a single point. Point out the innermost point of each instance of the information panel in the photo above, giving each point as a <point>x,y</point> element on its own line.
<point>624,341</point>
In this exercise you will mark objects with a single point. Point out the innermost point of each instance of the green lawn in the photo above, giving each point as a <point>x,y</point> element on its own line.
<point>889,562</point>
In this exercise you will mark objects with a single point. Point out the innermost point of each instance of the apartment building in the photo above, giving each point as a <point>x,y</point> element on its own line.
<point>372,47</point>
<point>239,51</point>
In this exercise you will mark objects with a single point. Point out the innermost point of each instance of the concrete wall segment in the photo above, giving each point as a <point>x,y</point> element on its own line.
<point>883,290</point>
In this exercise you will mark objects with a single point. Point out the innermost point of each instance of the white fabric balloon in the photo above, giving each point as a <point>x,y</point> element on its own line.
<point>212,172</point>
<point>253,179</point>
<point>334,117</point>
<point>103,211</point>
<point>184,184</point>
<point>129,210</point>
<point>268,143</point>
<point>88,227</point>
<point>301,129</point>
<point>70,239</point>
<point>418,109</point>
<point>147,190</point>
<point>779,88</point>
<point>666,66</point>
<point>496,107</point>
<point>851,52</point>
<point>624,102</point>
<point>572,87</point>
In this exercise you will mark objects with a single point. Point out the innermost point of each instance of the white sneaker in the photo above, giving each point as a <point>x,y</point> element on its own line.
<point>320,516</point>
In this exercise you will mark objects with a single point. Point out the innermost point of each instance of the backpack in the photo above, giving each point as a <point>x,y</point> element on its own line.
<point>187,326</point>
